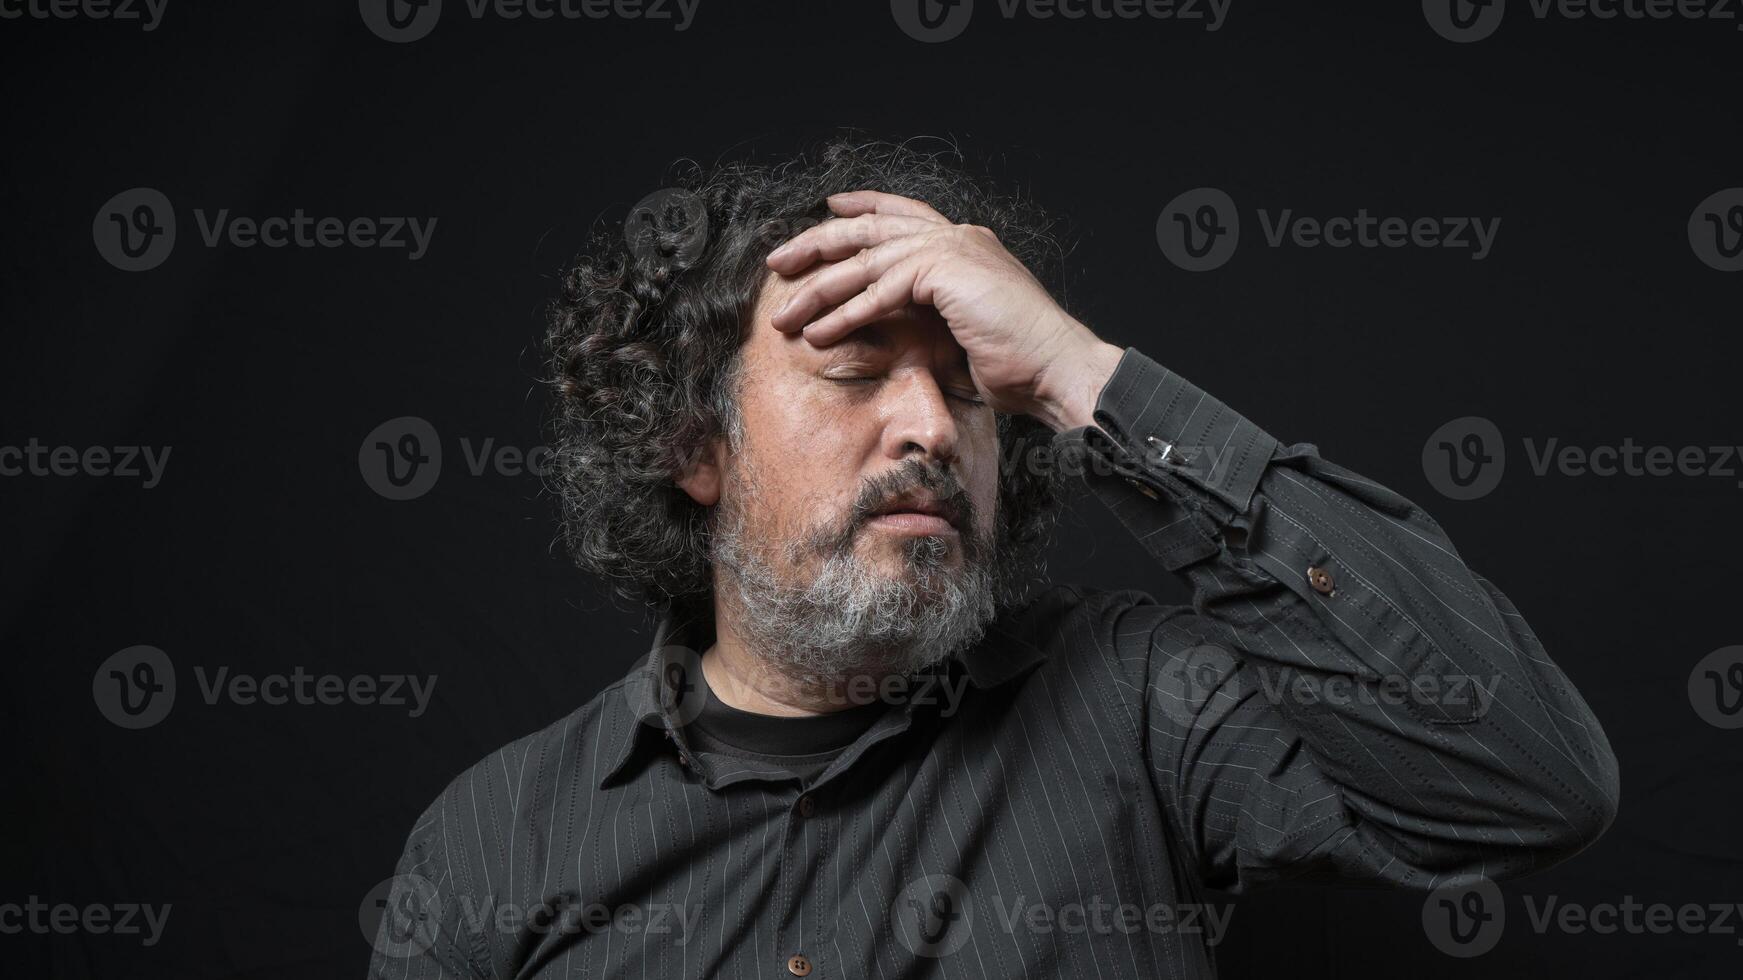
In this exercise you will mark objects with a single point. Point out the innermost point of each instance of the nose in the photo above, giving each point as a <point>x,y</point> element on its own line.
<point>918,418</point>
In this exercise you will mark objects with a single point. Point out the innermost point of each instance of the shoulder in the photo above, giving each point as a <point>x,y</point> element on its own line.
<point>562,762</point>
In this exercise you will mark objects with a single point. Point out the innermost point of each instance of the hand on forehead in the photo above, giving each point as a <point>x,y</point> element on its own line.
<point>892,332</point>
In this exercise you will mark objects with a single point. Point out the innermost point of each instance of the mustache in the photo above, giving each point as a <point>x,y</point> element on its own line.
<point>908,477</point>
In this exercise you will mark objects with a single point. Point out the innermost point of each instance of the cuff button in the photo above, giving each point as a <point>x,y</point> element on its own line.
<point>1321,580</point>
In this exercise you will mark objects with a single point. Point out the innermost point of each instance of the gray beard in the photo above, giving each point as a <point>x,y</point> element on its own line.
<point>849,618</point>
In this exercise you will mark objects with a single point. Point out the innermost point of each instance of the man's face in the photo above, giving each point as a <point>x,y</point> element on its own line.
<point>867,476</point>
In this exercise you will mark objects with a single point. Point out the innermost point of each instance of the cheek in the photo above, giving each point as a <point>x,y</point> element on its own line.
<point>806,454</point>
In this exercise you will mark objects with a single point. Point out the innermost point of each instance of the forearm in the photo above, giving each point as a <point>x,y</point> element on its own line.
<point>1415,686</point>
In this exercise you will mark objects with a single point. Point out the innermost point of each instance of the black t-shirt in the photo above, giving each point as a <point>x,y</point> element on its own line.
<point>804,746</point>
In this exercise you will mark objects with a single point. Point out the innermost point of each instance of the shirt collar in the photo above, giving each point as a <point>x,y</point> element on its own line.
<point>645,700</point>
<point>654,694</point>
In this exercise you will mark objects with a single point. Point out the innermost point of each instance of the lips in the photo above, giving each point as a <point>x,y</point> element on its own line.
<point>920,504</point>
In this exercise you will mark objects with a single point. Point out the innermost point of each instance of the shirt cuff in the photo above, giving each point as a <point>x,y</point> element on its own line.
<point>1162,426</point>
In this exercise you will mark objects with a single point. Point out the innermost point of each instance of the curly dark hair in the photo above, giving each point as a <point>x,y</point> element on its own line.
<point>644,340</point>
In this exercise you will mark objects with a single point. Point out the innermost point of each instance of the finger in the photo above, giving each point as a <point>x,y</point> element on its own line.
<point>884,295</point>
<point>854,203</point>
<point>838,238</point>
<point>843,281</point>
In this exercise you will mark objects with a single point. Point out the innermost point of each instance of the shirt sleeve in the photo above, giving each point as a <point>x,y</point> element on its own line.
<point>425,931</point>
<point>1344,697</point>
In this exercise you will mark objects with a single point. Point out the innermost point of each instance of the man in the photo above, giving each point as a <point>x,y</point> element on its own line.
<point>858,747</point>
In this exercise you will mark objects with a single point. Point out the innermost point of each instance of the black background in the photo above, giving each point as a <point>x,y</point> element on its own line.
<point>263,549</point>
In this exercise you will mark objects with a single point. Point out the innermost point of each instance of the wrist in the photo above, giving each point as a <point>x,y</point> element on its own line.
<point>1071,384</point>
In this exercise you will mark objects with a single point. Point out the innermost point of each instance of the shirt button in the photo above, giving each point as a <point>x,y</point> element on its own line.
<point>807,809</point>
<point>1321,580</point>
<point>798,965</point>
<point>1143,488</point>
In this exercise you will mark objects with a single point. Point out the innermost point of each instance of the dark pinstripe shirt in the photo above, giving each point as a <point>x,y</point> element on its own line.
<point>1342,698</point>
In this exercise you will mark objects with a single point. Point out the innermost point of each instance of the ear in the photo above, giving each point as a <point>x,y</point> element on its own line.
<point>701,479</point>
